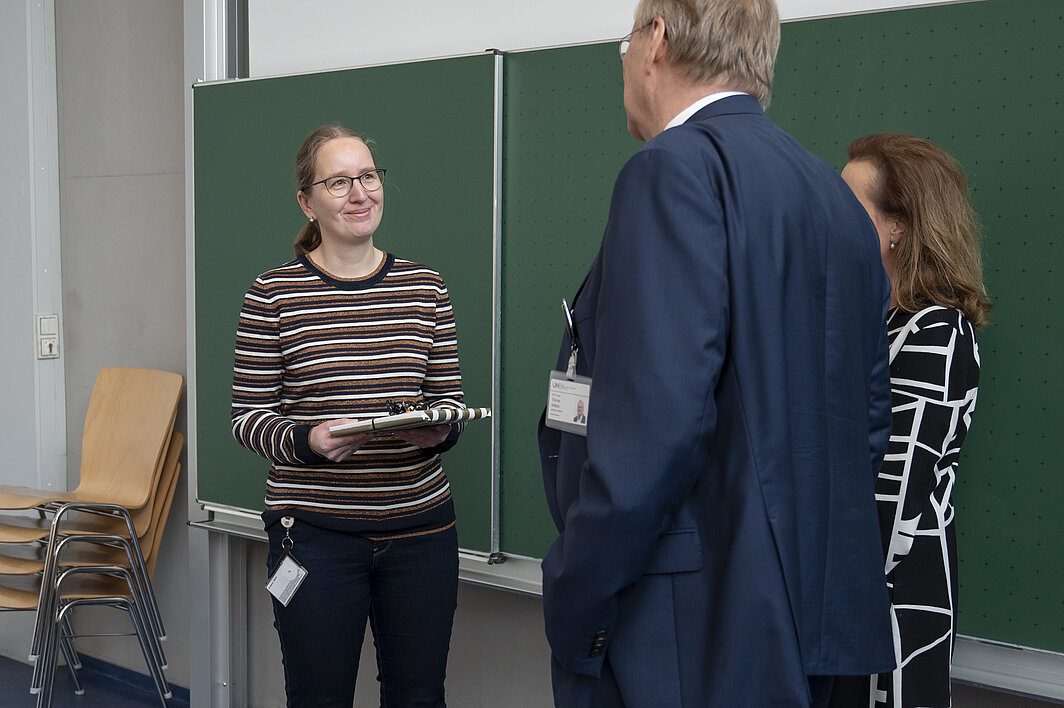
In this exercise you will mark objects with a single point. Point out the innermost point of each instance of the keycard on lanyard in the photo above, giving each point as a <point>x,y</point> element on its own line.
<point>287,574</point>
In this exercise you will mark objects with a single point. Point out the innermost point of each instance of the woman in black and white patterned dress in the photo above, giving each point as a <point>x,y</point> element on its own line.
<point>917,197</point>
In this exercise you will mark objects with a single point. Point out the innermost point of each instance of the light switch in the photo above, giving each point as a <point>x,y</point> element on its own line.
<point>47,336</point>
<point>48,325</point>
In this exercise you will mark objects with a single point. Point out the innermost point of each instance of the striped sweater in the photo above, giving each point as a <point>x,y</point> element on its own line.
<point>311,347</point>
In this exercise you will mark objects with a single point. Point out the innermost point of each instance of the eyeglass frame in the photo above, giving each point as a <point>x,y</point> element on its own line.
<point>624,42</point>
<point>379,171</point>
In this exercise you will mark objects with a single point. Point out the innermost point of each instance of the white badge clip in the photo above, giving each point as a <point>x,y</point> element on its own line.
<point>569,395</point>
<point>287,575</point>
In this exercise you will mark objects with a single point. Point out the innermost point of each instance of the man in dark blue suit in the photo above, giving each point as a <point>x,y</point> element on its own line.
<point>718,539</point>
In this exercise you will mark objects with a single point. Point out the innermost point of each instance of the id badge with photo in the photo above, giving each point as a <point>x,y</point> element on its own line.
<point>568,403</point>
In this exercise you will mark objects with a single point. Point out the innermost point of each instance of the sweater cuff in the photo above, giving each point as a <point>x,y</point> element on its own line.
<point>301,439</point>
<point>451,440</point>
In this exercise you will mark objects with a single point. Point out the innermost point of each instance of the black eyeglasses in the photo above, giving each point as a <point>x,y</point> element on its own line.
<point>623,42</point>
<point>341,185</point>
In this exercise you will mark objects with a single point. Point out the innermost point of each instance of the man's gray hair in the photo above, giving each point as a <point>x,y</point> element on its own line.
<point>730,42</point>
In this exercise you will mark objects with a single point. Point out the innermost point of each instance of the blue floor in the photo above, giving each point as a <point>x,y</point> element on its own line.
<point>106,686</point>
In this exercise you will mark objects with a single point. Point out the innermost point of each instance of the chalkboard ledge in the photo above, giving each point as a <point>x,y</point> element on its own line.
<point>1006,667</point>
<point>518,574</point>
<point>977,662</point>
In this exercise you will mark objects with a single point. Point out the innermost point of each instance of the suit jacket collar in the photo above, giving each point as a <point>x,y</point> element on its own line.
<point>744,103</point>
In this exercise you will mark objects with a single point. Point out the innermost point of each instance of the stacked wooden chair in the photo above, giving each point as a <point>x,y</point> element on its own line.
<point>97,544</point>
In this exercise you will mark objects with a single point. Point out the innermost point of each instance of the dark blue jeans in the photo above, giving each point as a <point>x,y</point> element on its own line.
<point>407,588</point>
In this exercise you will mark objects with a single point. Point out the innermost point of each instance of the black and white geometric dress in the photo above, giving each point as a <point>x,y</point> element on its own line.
<point>934,377</point>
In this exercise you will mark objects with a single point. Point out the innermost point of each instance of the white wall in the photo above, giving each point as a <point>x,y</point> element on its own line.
<point>16,316</point>
<point>32,424</point>
<point>291,37</point>
<point>121,140</point>
<point>33,435</point>
<point>117,92</point>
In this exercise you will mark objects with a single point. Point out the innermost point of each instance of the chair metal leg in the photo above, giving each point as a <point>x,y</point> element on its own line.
<point>45,598</point>
<point>70,656</point>
<point>45,629</point>
<point>138,613</point>
<point>141,587</point>
<point>45,666</point>
<point>143,634</point>
<point>145,582</point>
<point>48,658</point>
<point>49,636</point>
<point>136,579</point>
<point>68,629</point>
<point>136,559</point>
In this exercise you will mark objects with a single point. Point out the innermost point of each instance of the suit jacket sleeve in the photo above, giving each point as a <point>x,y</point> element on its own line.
<point>660,330</point>
<point>879,396</point>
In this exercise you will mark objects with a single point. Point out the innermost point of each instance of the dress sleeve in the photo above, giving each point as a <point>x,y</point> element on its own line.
<point>934,382</point>
<point>879,398</point>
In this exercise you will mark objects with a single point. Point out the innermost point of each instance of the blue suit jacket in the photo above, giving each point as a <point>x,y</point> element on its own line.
<point>718,531</point>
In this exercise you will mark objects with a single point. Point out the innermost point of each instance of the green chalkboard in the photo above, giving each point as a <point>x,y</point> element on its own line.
<point>565,138</point>
<point>432,122</point>
<point>984,80</point>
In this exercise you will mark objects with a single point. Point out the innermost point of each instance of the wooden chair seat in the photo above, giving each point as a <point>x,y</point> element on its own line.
<point>127,431</point>
<point>22,559</point>
<point>23,529</point>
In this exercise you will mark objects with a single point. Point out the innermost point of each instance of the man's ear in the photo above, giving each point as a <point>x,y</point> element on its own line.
<point>659,41</point>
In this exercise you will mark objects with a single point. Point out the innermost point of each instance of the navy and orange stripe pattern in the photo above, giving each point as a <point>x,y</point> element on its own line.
<point>311,347</point>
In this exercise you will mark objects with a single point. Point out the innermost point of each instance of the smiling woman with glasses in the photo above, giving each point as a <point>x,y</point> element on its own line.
<point>341,185</point>
<point>332,336</point>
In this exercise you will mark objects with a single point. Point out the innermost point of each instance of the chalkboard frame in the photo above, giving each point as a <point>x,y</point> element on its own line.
<point>439,211</point>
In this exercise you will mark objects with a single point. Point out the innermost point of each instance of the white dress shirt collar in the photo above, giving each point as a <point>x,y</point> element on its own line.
<point>699,105</point>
